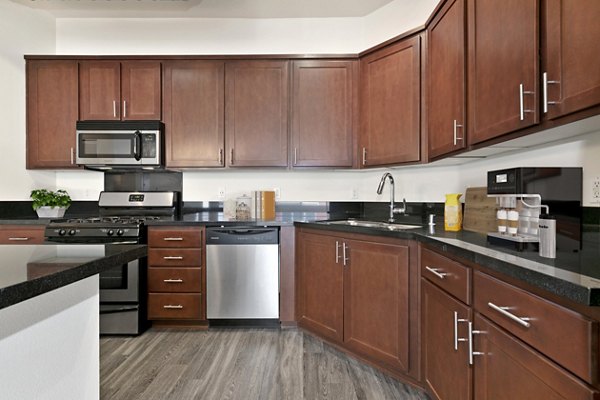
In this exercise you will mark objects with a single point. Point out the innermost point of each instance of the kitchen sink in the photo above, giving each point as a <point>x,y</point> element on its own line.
<point>372,224</point>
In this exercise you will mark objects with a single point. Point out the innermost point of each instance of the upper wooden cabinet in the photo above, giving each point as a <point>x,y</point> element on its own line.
<point>503,67</point>
<point>51,113</point>
<point>323,115</point>
<point>113,90</point>
<point>446,88</point>
<point>256,113</point>
<point>194,112</point>
<point>571,65</point>
<point>391,104</point>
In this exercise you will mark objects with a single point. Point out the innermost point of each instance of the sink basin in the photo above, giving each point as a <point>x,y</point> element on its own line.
<point>373,224</point>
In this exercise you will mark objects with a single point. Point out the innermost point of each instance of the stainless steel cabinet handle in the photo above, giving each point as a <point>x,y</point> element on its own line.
<point>18,239</point>
<point>221,156</point>
<point>345,251</point>
<point>503,310</point>
<point>456,338</point>
<point>72,157</point>
<point>124,108</point>
<point>173,257</point>
<point>456,138</point>
<point>436,272</point>
<point>173,239</point>
<point>173,306</point>
<point>364,156</point>
<point>337,252</point>
<point>295,155</point>
<point>173,280</point>
<point>232,156</point>
<point>545,84</point>
<point>115,108</point>
<point>471,352</point>
<point>522,110</point>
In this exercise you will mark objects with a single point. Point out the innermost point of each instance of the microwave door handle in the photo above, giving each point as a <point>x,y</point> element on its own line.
<point>137,146</point>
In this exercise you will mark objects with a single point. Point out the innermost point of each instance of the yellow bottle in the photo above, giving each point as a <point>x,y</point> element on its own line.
<point>453,212</point>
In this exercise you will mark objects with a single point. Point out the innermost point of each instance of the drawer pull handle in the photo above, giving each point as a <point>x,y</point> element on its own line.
<point>18,239</point>
<point>436,272</point>
<point>173,280</point>
<point>173,257</point>
<point>173,306</point>
<point>470,340</point>
<point>173,239</point>
<point>503,310</point>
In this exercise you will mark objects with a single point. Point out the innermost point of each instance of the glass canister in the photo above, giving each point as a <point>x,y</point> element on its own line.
<point>242,208</point>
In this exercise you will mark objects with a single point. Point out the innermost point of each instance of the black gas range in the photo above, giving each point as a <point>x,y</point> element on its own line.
<point>122,220</point>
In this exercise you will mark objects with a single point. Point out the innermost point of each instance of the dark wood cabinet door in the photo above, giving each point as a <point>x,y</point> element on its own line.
<point>571,61</point>
<point>323,113</point>
<point>100,90</point>
<point>390,104</point>
<point>140,90</point>
<point>52,111</point>
<point>319,285</point>
<point>446,89</point>
<point>446,370</point>
<point>193,105</point>
<point>503,61</point>
<point>376,301</point>
<point>509,369</point>
<point>256,113</point>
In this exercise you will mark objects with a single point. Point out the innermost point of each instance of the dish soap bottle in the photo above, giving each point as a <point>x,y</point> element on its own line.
<point>453,212</point>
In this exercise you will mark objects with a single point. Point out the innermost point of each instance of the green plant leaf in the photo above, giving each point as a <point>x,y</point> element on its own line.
<point>44,197</point>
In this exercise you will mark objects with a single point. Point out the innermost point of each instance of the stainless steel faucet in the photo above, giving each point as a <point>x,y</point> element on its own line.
<point>393,210</point>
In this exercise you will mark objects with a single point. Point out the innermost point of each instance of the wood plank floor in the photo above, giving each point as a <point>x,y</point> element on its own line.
<point>228,364</point>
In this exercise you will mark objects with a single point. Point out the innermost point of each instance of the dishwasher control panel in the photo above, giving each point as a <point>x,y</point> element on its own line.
<point>242,235</point>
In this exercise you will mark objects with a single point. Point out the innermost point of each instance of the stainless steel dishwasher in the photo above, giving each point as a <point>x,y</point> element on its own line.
<point>242,274</point>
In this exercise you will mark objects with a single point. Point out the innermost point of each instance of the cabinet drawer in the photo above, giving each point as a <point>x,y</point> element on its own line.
<point>451,276</point>
<point>175,237</point>
<point>174,257</point>
<point>174,306</point>
<point>10,234</point>
<point>174,279</point>
<point>561,334</point>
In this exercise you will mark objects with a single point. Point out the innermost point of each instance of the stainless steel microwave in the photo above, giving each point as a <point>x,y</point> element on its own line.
<point>120,144</point>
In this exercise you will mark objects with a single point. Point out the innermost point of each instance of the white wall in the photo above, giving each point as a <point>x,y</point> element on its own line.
<point>22,31</point>
<point>272,36</point>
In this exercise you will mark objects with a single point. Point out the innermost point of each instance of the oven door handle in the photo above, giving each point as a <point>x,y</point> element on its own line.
<point>137,146</point>
<point>113,310</point>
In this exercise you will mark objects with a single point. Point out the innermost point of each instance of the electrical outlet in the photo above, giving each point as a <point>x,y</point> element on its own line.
<point>596,189</point>
<point>221,193</point>
<point>277,193</point>
<point>354,194</point>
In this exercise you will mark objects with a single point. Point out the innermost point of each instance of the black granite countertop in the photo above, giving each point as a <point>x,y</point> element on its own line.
<point>27,271</point>
<point>574,276</point>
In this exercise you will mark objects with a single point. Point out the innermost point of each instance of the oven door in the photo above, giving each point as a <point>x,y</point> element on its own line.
<point>121,283</point>
<point>122,147</point>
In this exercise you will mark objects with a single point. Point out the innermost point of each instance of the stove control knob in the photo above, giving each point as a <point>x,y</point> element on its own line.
<point>62,232</point>
<point>120,232</point>
<point>72,232</point>
<point>110,232</point>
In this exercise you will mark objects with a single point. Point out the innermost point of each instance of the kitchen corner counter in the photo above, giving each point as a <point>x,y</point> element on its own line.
<point>27,271</point>
<point>573,276</point>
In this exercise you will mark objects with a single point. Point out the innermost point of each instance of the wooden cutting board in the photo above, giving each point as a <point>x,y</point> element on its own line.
<point>480,211</point>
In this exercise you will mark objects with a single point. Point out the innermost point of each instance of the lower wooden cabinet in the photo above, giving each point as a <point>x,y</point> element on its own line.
<point>359,292</point>
<point>505,368</point>
<point>446,371</point>
<point>176,275</point>
<point>22,234</point>
<point>509,345</point>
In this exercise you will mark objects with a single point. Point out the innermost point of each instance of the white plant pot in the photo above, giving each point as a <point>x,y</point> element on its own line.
<point>51,212</point>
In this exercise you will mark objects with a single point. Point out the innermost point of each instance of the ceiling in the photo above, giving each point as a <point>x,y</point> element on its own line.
<point>206,8</point>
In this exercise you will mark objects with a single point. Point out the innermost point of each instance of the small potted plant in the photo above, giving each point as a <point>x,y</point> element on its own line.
<point>49,204</point>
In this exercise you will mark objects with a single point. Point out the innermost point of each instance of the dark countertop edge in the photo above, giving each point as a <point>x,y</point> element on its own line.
<point>25,221</point>
<point>579,294</point>
<point>14,294</point>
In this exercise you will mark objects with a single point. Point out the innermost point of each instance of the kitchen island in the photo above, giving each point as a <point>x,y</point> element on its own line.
<point>49,318</point>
